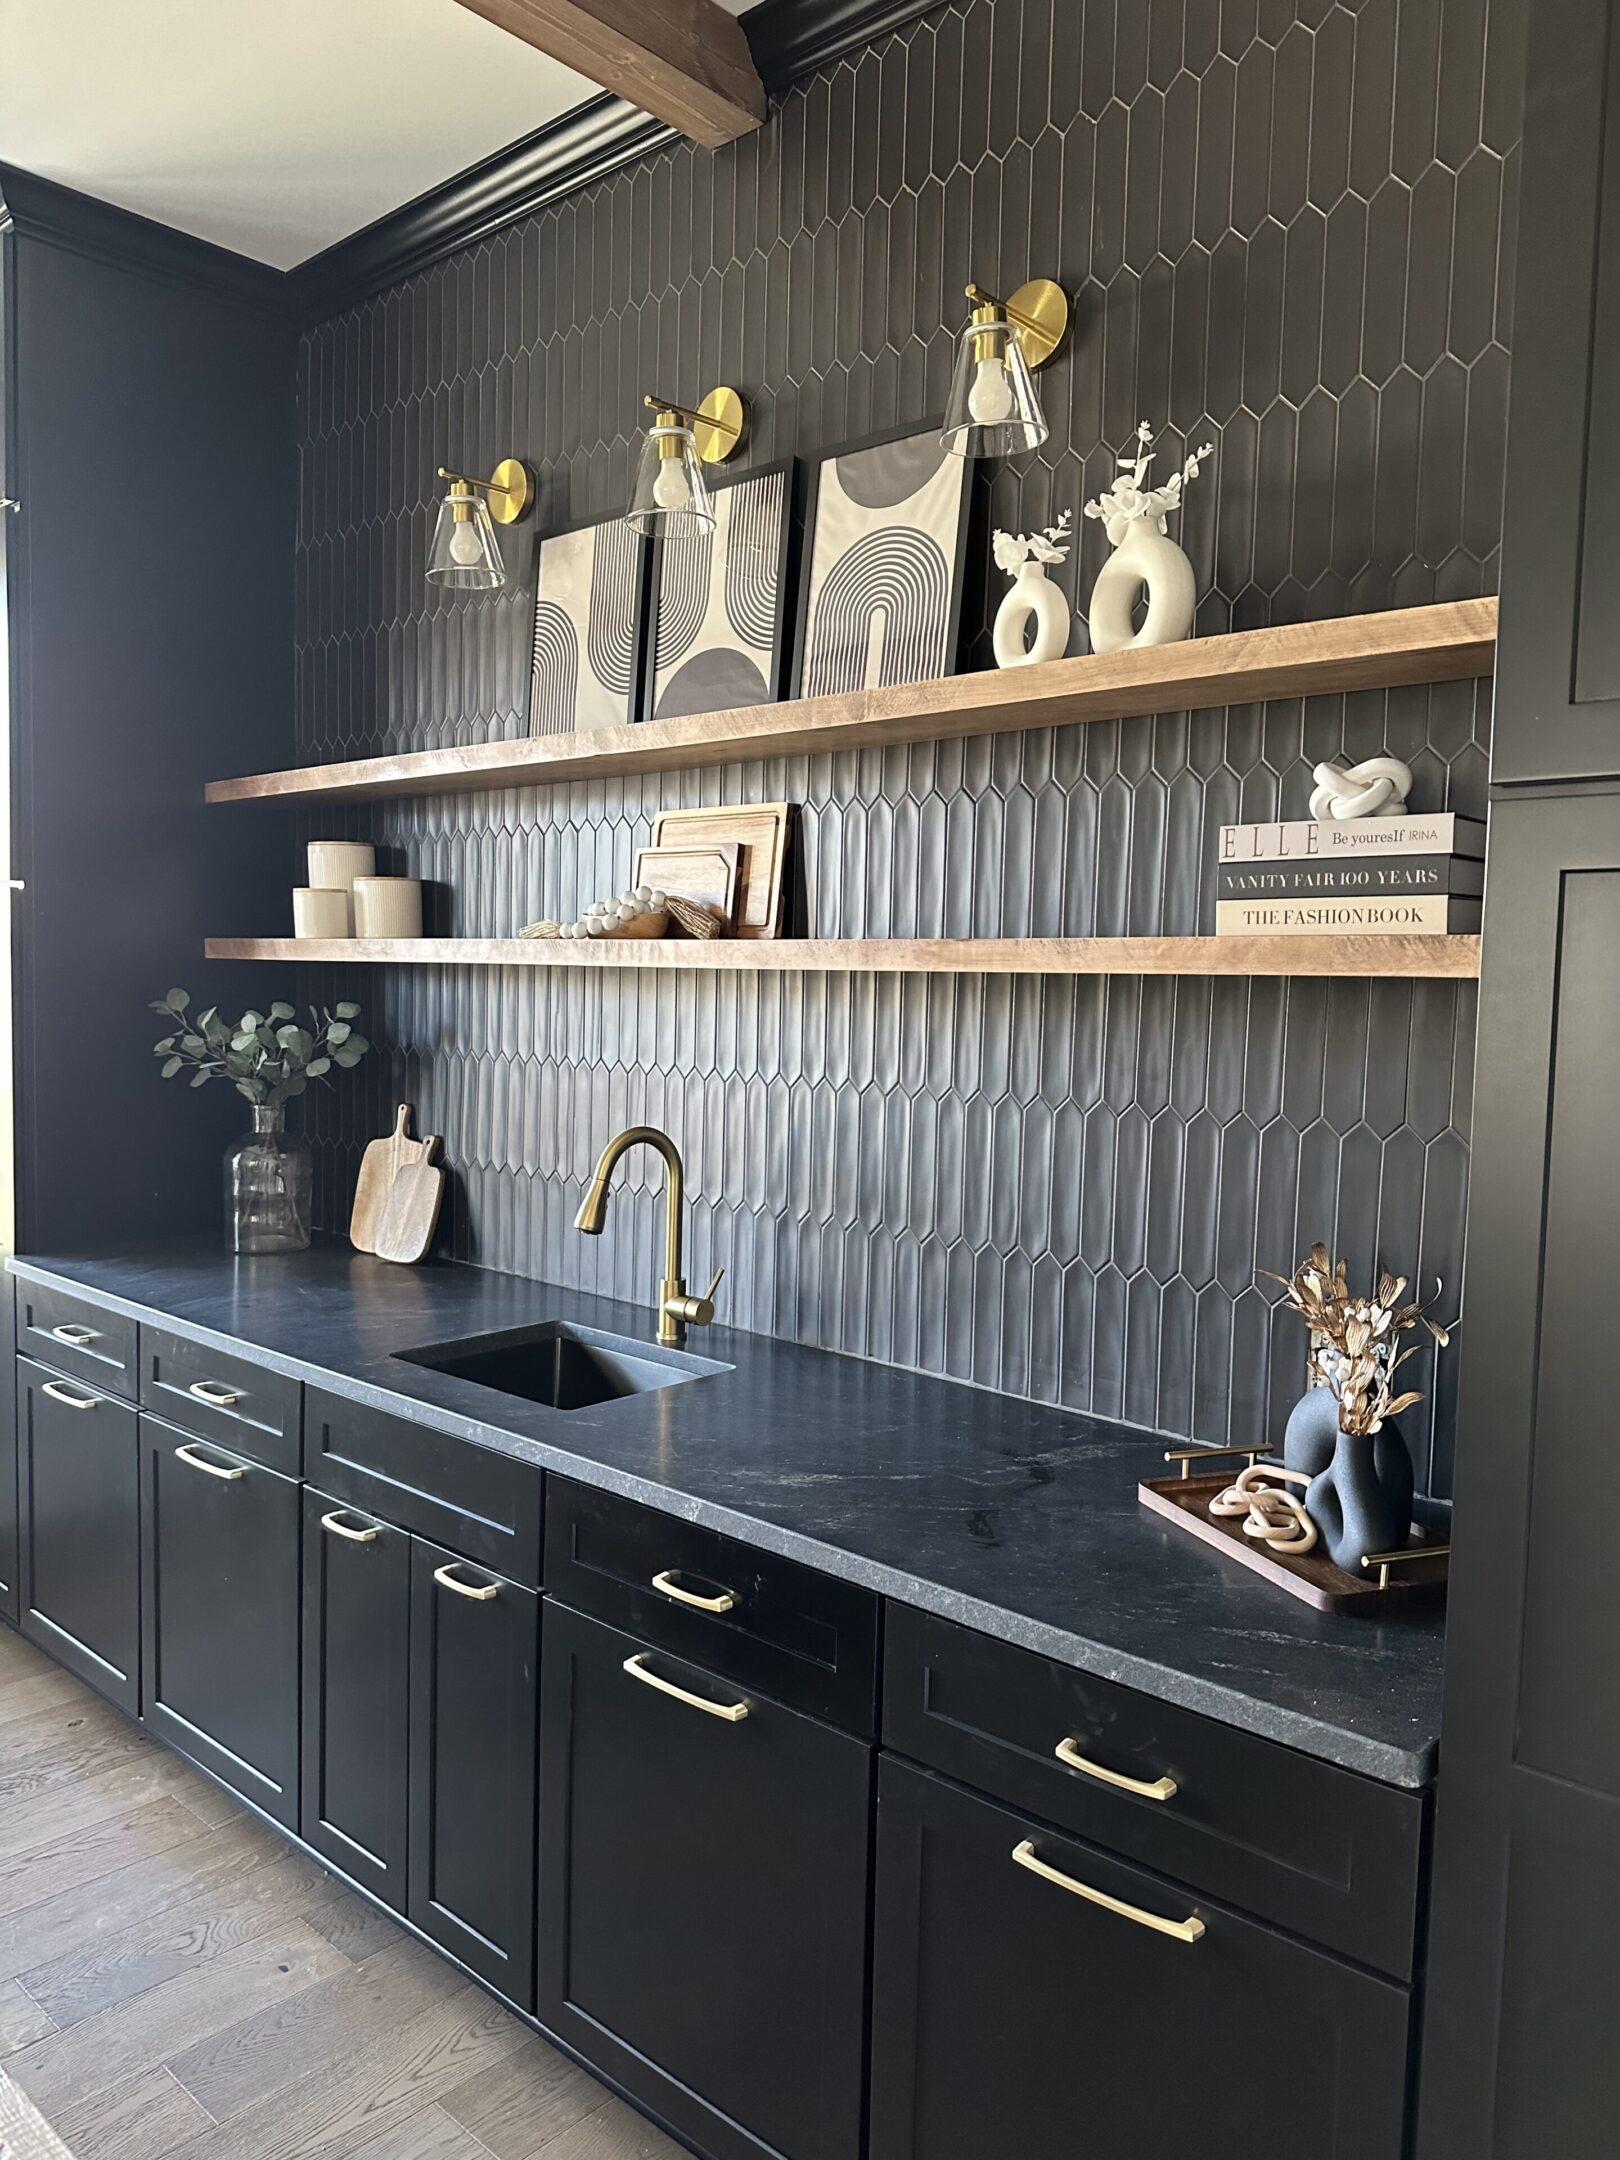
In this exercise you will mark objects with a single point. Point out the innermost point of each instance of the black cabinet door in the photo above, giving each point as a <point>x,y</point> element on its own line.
<point>1558,669</point>
<point>220,1584</point>
<point>78,1486</point>
<point>703,1903</point>
<point>474,1681</point>
<point>1520,2061</point>
<point>1014,2014</point>
<point>9,1607</point>
<point>356,1695</point>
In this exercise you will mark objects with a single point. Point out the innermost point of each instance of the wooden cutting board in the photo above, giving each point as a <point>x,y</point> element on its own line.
<point>764,831</point>
<point>709,875</point>
<point>379,1165</point>
<point>411,1214</point>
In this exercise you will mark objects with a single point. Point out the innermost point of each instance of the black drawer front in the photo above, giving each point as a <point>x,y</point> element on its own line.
<point>1320,1851</point>
<point>806,1638</point>
<point>467,1497</point>
<point>222,1398</point>
<point>76,1336</point>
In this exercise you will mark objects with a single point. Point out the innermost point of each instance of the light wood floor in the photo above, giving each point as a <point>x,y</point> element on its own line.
<point>177,1984</point>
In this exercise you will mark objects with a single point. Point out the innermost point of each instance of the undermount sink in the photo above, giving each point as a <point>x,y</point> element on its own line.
<point>563,1367</point>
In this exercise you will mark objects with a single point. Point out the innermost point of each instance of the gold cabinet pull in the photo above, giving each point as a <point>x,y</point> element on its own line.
<point>339,1528</point>
<point>450,1581</point>
<point>211,1469</point>
<point>1187,1931</point>
<point>69,1401</point>
<point>671,1589</point>
<point>216,1397</point>
<point>71,1332</point>
<point>1160,1788</point>
<point>732,1713</point>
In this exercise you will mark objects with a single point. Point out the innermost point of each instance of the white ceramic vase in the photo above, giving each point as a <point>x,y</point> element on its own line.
<point>1150,558</point>
<point>1033,598</point>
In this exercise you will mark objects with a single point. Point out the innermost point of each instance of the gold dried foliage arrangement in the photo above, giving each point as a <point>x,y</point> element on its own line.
<point>1353,1339</point>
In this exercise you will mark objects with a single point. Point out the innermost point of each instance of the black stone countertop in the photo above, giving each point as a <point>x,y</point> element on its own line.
<point>1011,1518</point>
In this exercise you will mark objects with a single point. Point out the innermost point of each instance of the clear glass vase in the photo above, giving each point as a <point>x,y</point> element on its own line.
<point>269,1178</point>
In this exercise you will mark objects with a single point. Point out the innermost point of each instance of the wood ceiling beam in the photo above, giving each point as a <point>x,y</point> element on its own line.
<point>687,62</point>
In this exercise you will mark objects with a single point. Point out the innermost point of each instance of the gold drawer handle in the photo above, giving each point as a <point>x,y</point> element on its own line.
<point>636,1667</point>
<point>215,1396</point>
<point>671,1588</point>
<point>212,1469</point>
<point>339,1528</point>
<point>480,1591</point>
<point>1187,1931</point>
<point>55,1390</point>
<point>1161,1788</point>
<point>78,1337</point>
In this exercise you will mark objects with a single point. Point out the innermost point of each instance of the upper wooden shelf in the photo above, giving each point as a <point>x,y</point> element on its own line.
<point>1440,958</point>
<point>1353,652</point>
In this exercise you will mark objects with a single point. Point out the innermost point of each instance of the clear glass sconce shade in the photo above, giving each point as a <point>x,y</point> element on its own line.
<point>672,497</point>
<point>995,410</point>
<point>465,554</point>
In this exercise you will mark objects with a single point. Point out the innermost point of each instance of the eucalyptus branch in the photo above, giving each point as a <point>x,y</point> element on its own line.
<point>268,1056</point>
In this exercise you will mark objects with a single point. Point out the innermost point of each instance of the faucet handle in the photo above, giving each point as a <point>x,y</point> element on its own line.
<point>696,1311</point>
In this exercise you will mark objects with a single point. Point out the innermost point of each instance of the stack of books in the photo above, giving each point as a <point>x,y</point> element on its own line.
<point>1373,877</point>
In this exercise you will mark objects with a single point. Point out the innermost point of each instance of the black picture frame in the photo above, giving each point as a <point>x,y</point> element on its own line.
<point>792,469</point>
<point>812,501</point>
<point>642,583</point>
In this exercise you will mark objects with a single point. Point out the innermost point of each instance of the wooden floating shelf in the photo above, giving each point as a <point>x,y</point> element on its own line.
<point>1449,643</point>
<point>1441,958</point>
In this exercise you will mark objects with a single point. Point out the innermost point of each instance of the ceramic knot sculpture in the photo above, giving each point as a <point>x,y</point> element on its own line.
<point>1034,598</point>
<point>1136,520</point>
<point>1377,787</point>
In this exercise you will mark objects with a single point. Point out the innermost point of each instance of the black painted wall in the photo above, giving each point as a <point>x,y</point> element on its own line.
<point>151,413</point>
<point>1286,222</point>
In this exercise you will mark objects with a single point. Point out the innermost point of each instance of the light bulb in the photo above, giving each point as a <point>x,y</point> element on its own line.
<point>991,401</point>
<point>466,548</point>
<point>670,491</point>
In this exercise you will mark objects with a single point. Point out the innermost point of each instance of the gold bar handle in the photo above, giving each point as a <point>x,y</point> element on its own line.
<point>1187,1456</point>
<point>666,1583</point>
<point>1384,1561</point>
<point>636,1667</point>
<point>71,1332</point>
<point>216,1397</point>
<point>482,1592</point>
<point>1190,1930</point>
<point>55,1390</point>
<point>339,1528</point>
<point>211,1469</point>
<point>1164,1788</point>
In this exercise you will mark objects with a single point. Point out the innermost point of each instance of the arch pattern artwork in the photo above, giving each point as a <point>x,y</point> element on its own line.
<point>882,614</point>
<point>686,567</point>
<point>615,615</point>
<point>718,643</point>
<point>554,688</point>
<point>754,558</point>
<point>883,604</point>
<point>589,630</point>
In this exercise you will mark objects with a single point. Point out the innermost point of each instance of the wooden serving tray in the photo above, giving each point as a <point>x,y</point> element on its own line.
<point>1311,1576</point>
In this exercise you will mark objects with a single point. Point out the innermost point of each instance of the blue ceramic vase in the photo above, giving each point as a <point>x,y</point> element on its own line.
<point>1360,1494</point>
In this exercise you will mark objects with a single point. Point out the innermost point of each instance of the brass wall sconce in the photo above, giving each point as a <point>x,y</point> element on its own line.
<point>465,554</point>
<point>995,409</point>
<point>672,496</point>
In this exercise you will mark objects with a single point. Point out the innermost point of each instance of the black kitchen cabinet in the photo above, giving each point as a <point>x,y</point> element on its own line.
<point>1015,2013</point>
<point>78,1520</point>
<point>9,1605</point>
<point>703,1898</point>
<point>220,1603</point>
<point>474,1680</point>
<point>356,1693</point>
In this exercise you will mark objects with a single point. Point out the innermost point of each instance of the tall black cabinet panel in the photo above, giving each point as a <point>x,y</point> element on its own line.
<point>1558,672</point>
<point>8,1450</point>
<point>78,1486</point>
<point>219,1613</point>
<point>357,1639</point>
<point>474,1687</point>
<point>1015,2014</point>
<point>1525,1958</point>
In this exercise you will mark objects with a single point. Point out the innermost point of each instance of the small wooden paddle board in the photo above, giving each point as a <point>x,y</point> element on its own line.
<point>411,1213</point>
<point>379,1165</point>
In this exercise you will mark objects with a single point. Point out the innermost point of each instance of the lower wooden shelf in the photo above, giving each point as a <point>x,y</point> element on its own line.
<point>1442,958</point>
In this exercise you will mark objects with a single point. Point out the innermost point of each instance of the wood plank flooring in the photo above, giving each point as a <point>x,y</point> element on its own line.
<point>176,1983</point>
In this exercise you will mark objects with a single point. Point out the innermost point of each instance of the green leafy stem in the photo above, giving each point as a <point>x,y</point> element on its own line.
<point>269,1056</point>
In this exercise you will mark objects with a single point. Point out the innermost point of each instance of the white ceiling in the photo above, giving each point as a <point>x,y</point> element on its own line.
<point>274,127</point>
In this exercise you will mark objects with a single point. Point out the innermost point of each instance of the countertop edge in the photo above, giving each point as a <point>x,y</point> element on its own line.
<point>1409,1769</point>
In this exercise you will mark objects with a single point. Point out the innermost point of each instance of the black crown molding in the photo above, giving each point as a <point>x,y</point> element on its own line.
<point>39,209</point>
<point>790,38</point>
